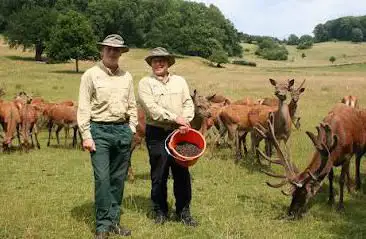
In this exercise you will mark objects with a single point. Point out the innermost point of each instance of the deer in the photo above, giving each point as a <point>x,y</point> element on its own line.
<point>340,135</point>
<point>29,115</point>
<point>350,100</point>
<point>218,99</point>
<point>10,121</point>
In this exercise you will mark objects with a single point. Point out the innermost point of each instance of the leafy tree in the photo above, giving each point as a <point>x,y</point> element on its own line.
<point>357,35</point>
<point>332,59</point>
<point>293,40</point>
<point>219,56</point>
<point>321,33</point>
<point>305,42</point>
<point>271,50</point>
<point>30,27</point>
<point>72,38</point>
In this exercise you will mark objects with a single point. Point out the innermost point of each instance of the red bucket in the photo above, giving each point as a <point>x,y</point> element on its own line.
<point>192,136</point>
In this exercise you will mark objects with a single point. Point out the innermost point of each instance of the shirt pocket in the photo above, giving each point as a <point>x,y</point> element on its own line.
<point>102,91</point>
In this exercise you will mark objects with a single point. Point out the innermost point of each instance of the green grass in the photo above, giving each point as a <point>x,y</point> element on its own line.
<point>48,193</point>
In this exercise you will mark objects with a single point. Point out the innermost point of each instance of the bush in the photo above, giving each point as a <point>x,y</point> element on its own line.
<point>218,56</point>
<point>332,59</point>
<point>244,63</point>
<point>271,50</point>
<point>305,45</point>
<point>303,55</point>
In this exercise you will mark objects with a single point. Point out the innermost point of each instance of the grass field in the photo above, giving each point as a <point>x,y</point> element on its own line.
<point>48,193</point>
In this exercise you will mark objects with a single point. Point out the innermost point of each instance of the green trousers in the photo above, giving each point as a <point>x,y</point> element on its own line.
<point>110,163</point>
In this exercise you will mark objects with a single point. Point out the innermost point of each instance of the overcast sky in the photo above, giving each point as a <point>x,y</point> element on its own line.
<point>280,18</point>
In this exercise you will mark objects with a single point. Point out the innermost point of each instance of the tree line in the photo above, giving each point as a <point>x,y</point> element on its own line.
<point>68,29</point>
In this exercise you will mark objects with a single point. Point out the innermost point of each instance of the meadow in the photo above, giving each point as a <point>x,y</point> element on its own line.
<point>48,193</point>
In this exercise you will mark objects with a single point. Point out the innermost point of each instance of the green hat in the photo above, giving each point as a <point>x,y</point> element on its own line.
<point>160,52</point>
<point>114,40</point>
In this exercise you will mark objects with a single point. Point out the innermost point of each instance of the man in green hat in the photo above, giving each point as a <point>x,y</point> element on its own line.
<point>107,119</point>
<point>168,105</point>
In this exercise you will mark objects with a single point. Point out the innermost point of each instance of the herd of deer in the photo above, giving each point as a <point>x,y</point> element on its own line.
<point>23,114</point>
<point>341,134</point>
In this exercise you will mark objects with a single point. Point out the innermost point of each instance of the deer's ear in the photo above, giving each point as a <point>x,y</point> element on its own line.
<point>291,83</point>
<point>273,82</point>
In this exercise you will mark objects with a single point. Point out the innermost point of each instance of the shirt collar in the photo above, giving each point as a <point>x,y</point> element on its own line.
<point>117,72</point>
<point>165,80</point>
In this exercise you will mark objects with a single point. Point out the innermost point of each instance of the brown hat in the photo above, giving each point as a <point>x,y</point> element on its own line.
<point>114,40</point>
<point>160,52</point>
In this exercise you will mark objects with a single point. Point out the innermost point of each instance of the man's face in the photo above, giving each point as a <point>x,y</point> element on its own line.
<point>111,54</point>
<point>159,66</point>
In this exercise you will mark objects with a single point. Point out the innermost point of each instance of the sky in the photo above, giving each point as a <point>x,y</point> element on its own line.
<point>280,18</point>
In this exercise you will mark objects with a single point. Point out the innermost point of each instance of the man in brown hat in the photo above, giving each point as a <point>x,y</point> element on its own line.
<point>167,103</point>
<point>107,118</point>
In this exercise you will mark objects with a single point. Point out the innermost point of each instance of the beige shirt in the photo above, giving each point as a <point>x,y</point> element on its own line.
<point>163,102</point>
<point>105,96</point>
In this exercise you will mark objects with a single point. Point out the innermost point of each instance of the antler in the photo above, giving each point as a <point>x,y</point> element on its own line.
<point>301,85</point>
<point>325,143</point>
<point>290,169</point>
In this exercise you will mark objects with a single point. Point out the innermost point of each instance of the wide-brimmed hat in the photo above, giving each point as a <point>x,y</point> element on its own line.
<point>160,52</point>
<point>114,40</point>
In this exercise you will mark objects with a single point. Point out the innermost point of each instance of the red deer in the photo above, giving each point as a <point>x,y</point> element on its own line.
<point>29,115</point>
<point>351,101</point>
<point>10,120</point>
<point>340,135</point>
<point>295,96</point>
<point>63,116</point>
<point>218,99</point>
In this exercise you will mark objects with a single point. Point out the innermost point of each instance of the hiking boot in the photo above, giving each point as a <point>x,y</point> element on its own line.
<point>186,218</point>
<point>101,235</point>
<point>160,218</point>
<point>120,230</point>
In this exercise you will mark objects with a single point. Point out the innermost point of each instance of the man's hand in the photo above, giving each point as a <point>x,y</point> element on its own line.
<point>183,129</point>
<point>182,121</point>
<point>89,145</point>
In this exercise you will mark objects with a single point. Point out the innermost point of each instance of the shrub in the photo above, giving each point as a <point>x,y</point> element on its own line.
<point>219,57</point>
<point>303,55</point>
<point>332,59</point>
<point>244,63</point>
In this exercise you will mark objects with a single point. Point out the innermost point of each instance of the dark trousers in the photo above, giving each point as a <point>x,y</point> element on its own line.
<point>110,164</point>
<point>160,163</point>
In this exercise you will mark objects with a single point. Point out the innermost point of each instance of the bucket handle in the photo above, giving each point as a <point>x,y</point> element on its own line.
<point>166,142</point>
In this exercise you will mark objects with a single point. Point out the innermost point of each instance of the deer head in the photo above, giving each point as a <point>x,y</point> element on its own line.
<point>24,97</point>
<point>295,93</point>
<point>201,105</point>
<point>281,89</point>
<point>303,185</point>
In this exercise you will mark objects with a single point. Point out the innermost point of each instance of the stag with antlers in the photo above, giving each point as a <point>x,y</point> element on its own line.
<point>339,136</point>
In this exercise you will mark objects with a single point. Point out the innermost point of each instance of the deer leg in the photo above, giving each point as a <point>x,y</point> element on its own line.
<point>243,142</point>
<point>74,137</point>
<point>59,128</point>
<point>36,136</point>
<point>357,177</point>
<point>237,147</point>
<point>50,126</point>
<point>331,190</point>
<point>66,134</point>
<point>345,168</point>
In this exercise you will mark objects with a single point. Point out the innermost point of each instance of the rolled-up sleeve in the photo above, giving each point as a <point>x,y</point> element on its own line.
<point>155,111</point>
<point>84,106</point>
<point>132,109</point>
<point>188,106</point>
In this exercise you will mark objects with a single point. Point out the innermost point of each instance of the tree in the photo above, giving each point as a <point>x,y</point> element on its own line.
<point>305,42</point>
<point>219,56</point>
<point>332,59</point>
<point>293,40</point>
<point>271,50</point>
<point>321,33</point>
<point>303,55</point>
<point>72,38</point>
<point>30,27</point>
<point>357,35</point>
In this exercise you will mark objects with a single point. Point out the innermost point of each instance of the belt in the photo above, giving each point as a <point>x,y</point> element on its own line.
<point>109,123</point>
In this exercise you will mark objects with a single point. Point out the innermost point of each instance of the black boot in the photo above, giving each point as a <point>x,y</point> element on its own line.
<point>120,230</point>
<point>185,217</point>
<point>160,218</point>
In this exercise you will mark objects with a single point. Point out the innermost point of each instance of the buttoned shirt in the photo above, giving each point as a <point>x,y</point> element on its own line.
<point>164,100</point>
<point>106,96</point>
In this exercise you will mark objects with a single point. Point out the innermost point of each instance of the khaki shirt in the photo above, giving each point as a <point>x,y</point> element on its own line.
<point>106,97</point>
<point>163,102</point>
